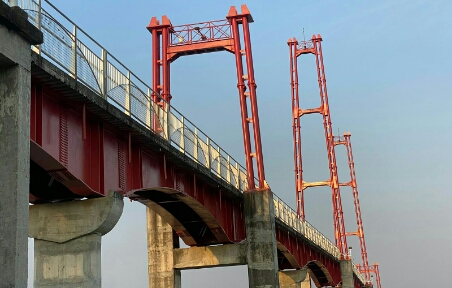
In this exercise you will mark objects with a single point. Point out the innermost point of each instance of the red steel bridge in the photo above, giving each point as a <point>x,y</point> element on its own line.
<point>96,127</point>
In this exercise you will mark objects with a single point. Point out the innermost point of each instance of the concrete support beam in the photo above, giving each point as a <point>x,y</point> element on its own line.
<point>16,36</point>
<point>209,256</point>
<point>262,255</point>
<point>294,279</point>
<point>347,273</point>
<point>161,243</point>
<point>68,240</point>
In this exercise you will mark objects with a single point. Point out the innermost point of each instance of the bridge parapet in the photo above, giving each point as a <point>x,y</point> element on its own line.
<point>288,216</point>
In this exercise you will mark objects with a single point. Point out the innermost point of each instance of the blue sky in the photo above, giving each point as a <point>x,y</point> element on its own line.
<point>388,70</point>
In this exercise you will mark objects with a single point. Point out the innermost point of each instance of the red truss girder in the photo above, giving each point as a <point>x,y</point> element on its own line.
<point>314,47</point>
<point>345,140</point>
<point>170,42</point>
<point>90,157</point>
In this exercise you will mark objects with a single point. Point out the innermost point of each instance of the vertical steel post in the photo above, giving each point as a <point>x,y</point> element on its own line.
<point>149,110</point>
<point>155,64</point>
<point>243,104</point>
<point>127,100</point>
<point>74,53</point>
<point>341,239</point>
<point>253,102</point>
<point>104,73</point>
<point>195,146</point>
<point>165,65</point>
<point>209,154</point>
<point>359,221</point>
<point>182,136</point>
<point>39,23</point>
<point>296,129</point>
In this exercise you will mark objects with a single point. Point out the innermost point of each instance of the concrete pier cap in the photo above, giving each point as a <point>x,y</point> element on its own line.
<point>61,222</point>
<point>68,240</point>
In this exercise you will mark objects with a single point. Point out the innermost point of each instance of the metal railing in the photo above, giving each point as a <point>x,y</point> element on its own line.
<point>201,32</point>
<point>288,216</point>
<point>305,45</point>
<point>67,46</point>
<point>70,48</point>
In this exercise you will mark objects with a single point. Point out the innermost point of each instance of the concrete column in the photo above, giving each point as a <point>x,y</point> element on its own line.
<point>262,256</point>
<point>68,240</point>
<point>347,273</point>
<point>294,279</point>
<point>161,243</point>
<point>16,35</point>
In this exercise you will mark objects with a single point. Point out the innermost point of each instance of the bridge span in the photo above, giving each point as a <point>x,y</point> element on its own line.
<point>96,135</point>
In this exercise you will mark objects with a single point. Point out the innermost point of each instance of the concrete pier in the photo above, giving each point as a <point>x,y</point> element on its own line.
<point>294,279</point>
<point>16,36</point>
<point>347,273</point>
<point>161,242</point>
<point>68,240</point>
<point>262,255</point>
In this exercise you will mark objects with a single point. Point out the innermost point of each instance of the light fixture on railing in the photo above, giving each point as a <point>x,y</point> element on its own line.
<point>350,252</point>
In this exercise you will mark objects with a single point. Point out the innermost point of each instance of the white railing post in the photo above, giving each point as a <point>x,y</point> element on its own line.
<point>127,100</point>
<point>149,110</point>
<point>182,136</point>
<point>39,24</point>
<point>195,144</point>
<point>166,125</point>
<point>104,74</point>
<point>73,67</point>
<point>219,162</point>
<point>38,20</point>
<point>228,174</point>
<point>209,154</point>
<point>237,170</point>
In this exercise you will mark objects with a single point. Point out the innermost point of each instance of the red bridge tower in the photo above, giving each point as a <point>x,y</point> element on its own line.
<point>206,37</point>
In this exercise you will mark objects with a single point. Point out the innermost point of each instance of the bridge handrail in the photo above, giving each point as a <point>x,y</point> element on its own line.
<point>288,216</point>
<point>67,46</point>
<point>200,32</point>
